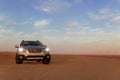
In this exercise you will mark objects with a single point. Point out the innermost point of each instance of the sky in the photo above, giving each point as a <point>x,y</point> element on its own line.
<point>65,26</point>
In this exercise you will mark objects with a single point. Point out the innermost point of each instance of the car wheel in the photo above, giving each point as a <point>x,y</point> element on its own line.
<point>46,59</point>
<point>18,61</point>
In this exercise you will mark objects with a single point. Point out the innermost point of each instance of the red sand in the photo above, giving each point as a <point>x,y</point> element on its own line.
<point>62,67</point>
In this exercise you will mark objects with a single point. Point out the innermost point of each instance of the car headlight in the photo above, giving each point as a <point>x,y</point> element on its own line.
<point>21,50</point>
<point>47,49</point>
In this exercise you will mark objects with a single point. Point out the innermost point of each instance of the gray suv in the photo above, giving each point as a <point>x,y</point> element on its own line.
<point>32,50</point>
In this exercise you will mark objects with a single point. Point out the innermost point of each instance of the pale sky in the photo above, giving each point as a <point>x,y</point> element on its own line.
<point>66,26</point>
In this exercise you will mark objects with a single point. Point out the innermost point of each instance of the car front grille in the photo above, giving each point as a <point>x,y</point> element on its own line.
<point>35,50</point>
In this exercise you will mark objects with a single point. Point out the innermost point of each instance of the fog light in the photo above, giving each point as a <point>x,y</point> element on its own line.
<point>20,57</point>
<point>47,57</point>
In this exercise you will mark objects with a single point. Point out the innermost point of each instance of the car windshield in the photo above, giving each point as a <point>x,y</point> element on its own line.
<point>31,43</point>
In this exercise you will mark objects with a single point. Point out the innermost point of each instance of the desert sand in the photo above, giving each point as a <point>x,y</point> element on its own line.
<point>62,67</point>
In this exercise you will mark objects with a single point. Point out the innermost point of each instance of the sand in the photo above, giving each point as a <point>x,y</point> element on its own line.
<point>62,67</point>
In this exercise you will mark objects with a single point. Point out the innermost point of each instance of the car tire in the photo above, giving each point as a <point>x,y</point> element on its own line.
<point>18,61</point>
<point>46,59</point>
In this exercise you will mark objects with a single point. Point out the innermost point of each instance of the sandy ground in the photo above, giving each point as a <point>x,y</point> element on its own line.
<point>62,67</point>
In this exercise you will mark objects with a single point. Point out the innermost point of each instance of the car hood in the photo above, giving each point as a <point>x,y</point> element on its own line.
<point>34,49</point>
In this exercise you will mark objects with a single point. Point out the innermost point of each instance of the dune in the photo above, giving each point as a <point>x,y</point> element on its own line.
<point>62,67</point>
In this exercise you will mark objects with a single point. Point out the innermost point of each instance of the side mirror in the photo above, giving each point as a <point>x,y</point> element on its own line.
<point>16,46</point>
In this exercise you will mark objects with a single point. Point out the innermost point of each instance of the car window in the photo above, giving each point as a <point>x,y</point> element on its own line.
<point>31,43</point>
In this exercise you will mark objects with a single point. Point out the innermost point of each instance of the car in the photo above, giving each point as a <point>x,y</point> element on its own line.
<point>32,50</point>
